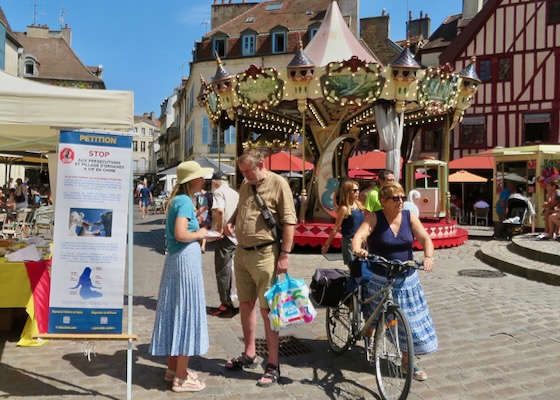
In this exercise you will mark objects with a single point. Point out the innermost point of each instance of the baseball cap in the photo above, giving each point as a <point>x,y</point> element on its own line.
<point>219,176</point>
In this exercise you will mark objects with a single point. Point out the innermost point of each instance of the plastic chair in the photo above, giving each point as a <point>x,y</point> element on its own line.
<point>480,214</point>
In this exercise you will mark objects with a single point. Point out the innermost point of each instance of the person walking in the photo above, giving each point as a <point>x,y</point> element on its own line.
<point>390,233</point>
<point>349,217</point>
<point>145,200</point>
<point>20,195</point>
<point>260,255</point>
<point>224,205</point>
<point>373,204</point>
<point>180,327</point>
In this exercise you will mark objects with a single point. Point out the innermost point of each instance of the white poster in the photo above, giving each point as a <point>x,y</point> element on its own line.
<point>90,233</point>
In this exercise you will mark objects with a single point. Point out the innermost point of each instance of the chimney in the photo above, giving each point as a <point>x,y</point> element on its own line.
<point>410,15</point>
<point>471,8</point>
<point>152,115</point>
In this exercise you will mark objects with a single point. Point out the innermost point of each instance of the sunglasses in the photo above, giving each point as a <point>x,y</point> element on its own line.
<point>398,198</point>
<point>356,190</point>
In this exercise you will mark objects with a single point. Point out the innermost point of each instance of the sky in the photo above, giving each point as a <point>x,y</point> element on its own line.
<point>145,46</point>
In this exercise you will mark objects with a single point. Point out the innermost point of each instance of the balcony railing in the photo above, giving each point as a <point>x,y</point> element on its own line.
<point>214,149</point>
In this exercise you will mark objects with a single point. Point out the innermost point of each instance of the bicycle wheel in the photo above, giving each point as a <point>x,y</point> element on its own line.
<point>339,326</point>
<point>393,337</point>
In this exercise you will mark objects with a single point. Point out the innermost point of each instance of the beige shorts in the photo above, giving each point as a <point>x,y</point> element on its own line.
<point>255,272</point>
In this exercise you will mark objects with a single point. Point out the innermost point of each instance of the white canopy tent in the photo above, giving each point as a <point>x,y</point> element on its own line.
<point>31,113</point>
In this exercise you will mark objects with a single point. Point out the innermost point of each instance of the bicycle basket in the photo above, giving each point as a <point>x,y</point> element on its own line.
<point>328,286</point>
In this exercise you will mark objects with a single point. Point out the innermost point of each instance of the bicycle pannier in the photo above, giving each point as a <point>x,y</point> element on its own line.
<point>328,286</point>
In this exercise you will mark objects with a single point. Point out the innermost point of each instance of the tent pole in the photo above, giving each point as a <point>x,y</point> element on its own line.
<point>130,258</point>
<point>303,194</point>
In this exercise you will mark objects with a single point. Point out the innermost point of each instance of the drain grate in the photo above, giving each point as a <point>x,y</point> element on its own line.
<point>289,346</point>
<point>481,273</point>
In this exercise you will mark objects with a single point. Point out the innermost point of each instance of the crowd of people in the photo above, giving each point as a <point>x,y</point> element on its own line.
<point>20,193</point>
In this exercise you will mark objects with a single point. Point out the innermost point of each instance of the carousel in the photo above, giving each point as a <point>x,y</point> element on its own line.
<point>328,99</point>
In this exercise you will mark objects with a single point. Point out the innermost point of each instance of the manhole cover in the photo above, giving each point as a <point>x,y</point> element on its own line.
<point>481,273</point>
<point>289,346</point>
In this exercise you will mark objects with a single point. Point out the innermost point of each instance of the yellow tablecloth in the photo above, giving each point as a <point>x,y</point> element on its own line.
<point>15,292</point>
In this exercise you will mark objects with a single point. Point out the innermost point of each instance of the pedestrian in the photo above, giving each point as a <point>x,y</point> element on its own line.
<point>203,207</point>
<point>261,254</point>
<point>349,217</point>
<point>501,209</point>
<point>224,205</point>
<point>390,233</point>
<point>180,327</point>
<point>385,177</point>
<point>549,205</point>
<point>145,200</point>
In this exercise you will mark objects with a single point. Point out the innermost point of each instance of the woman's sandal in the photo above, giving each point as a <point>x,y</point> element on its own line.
<point>271,375</point>
<point>418,373</point>
<point>187,385</point>
<point>170,375</point>
<point>243,361</point>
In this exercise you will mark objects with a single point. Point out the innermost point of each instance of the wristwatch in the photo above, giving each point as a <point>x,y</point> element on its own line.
<point>284,251</point>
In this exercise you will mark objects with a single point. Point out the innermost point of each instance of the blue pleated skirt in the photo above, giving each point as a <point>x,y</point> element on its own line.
<point>180,327</point>
<point>408,293</point>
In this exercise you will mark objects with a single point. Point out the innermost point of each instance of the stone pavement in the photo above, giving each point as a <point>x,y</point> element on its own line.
<point>499,339</point>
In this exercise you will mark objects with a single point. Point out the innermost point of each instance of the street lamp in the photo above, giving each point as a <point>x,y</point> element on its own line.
<point>404,74</point>
<point>223,84</point>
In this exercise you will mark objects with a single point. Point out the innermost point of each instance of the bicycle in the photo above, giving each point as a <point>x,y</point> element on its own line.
<point>344,327</point>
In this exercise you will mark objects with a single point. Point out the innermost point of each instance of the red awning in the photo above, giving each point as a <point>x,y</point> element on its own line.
<point>479,161</point>
<point>361,173</point>
<point>283,161</point>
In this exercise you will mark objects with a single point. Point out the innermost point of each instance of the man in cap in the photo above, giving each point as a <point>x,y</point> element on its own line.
<point>223,206</point>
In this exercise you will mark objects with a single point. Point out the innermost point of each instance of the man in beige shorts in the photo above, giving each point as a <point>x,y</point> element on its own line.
<point>259,256</point>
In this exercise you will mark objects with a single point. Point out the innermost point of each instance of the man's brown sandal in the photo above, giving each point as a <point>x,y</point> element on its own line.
<point>271,374</point>
<point>243,361</point>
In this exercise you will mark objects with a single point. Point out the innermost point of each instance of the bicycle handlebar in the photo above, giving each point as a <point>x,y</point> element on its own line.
<point>394,263</point>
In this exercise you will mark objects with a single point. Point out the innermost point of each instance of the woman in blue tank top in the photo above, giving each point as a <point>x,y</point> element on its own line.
<point>390,233</point>
<point>349,217</point>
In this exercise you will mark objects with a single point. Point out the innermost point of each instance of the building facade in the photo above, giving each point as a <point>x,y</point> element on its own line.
<point>147,131</point>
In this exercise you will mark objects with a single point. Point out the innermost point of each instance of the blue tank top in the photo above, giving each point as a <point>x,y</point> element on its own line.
<point>384,243</point>
<point>352,222</point>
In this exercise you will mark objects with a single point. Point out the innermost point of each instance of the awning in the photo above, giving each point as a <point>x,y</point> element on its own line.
<point>372,160</point>
<point>479,161</point>
<point>283,161</point>
<point>32,114</point>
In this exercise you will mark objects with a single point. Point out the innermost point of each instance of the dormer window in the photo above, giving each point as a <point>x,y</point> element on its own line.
<point>219,46</point>
<point>30,67</point>
<point>279,41</point>
<point>248,41</point>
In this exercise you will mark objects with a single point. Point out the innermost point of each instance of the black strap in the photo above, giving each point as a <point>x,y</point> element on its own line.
<point>267,214</point>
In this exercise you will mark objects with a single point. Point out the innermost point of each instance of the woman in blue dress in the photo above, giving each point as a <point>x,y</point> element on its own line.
<point>180,327</point>
<point>390,233</point>
<point>349,217</point>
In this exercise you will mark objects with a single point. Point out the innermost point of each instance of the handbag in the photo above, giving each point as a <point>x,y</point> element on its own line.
<point>328,286</point>
<point>289,303</point>
<point>19,198</point>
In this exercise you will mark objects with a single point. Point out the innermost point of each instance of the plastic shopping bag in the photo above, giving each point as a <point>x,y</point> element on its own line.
<point>289,303</point>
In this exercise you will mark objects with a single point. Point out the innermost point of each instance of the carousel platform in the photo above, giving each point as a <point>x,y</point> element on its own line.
<point>444,234</point>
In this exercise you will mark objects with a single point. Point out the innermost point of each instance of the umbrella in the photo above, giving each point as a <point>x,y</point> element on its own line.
<point>291,174</point>
<point>479,161</point>
<point>512,176</point>
<point>361,173</point>
<point>206,162</point>
<point>372,160</point>
<point>283,161</point>
<point>463,177</point>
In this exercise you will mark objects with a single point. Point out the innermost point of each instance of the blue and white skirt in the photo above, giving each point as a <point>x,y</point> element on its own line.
<point>409,295</point>
<point>180,326</point>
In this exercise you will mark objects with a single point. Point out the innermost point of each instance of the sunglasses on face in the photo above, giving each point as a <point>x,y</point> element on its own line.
<point>356,190</point>
<point>396,199</point>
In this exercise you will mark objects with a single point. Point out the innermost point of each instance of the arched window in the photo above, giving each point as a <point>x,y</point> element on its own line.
<point>30,67</point>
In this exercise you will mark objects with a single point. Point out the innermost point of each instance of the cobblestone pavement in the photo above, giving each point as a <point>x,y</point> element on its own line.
<point>499,339</point>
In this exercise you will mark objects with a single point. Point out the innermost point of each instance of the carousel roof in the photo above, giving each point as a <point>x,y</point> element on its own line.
<point>335,42</point>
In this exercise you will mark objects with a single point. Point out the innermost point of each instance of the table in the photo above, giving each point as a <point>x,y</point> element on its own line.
<point>27,285</point>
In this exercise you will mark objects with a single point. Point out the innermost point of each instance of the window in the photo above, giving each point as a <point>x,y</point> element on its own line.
<point>229,135</point>
<point>473,131</point>
<point>142,146</point>
<point>431,140</point>
<point>219,46</point>
<point>504,69</point>
<point>276,6</point>
<point>278,42</point>
<point>29,68</point>
<point>553,12</point>
<point>312,32</point>
<point>537,128</point>
<point>248,43</point>
<point>143,131</point>
<point>135,146</point>
<point>485,70</point>
<point>250,20</point>
<point>207,131</point>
